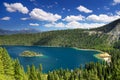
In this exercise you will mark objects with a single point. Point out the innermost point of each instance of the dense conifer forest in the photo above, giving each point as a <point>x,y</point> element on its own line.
<point>65,38</point>
<point>12,69</point>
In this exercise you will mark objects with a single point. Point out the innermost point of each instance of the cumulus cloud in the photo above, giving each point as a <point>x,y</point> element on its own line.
<point>5,18</point>
<point>41,15</point>
<point>33,24</point>
<point>118,13</point>
<point>24,19</point>
<point>102,18</point>
<point>74,24</point>
<point>73,18</point>
<point>60,25</point>
<point>116,2</point>
<point>13,7</point>
<point>84,9</point>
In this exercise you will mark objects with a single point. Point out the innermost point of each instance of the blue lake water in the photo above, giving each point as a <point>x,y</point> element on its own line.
<point>54,57</point>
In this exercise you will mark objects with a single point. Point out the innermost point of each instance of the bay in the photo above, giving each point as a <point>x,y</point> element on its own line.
<point>53,57</point>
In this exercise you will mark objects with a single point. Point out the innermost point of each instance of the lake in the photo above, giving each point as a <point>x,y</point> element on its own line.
<point>54,57</point>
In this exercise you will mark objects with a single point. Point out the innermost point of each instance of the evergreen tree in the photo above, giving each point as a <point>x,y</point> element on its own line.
<point>40,68</point>
<point>1,63</point>
<point>33,73</point>
<point>2,75</point>
<point>8,65</point>
<point>19,71</point>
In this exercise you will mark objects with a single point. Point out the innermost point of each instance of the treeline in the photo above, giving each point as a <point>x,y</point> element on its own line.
<point>65,38</point>
<point>12,70</point>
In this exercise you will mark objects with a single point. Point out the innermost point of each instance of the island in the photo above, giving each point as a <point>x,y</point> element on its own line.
<point>30,54</point>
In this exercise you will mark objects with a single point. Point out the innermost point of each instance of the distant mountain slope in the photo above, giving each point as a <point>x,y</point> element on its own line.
<point>24,31</point>
<point>2,32</point>
<point>94,38</point>
<point>112,29</point>
<point>65,38</point>
<point>109,27</point>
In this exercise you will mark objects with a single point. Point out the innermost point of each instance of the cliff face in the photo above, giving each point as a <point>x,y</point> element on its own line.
<point>112,29</point>
<point>114,34</point>
<point>109,27</point>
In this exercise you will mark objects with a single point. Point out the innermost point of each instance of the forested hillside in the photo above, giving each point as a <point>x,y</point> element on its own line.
<point>93,38</point>
<point>65,38</point>
<point>12,70</point>
<point>108,27</point>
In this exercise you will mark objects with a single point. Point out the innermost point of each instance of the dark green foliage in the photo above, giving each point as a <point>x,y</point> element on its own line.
<point>65,38</point>
<point>33,73</point>
<point>8,64</point>
<point>92,71</point>
<point>117,44</point>
<point>19,71</point>
<point>1,63</point>
<point>12,70</point>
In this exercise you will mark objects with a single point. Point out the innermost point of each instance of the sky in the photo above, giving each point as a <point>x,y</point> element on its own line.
<point>46,15</point>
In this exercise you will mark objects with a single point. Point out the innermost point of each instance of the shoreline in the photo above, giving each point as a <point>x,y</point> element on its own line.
<point>104,56</point>
<point>98,56</point>
<point>88,49</point>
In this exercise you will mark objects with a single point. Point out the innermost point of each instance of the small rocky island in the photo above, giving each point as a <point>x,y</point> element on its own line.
<point>30,54</point>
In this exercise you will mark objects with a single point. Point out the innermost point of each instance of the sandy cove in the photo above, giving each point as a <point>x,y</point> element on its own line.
<point>105,56</point>
<point>102,55</point>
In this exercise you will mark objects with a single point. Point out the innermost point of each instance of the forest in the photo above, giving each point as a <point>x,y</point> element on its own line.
<point>65,38</point>
<point>11,69</point>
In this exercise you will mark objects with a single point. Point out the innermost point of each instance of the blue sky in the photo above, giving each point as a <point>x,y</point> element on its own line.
<point>57,14</point>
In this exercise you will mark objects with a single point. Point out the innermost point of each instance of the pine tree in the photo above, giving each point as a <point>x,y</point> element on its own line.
<point>28,71</point>
<point>1,63</point>
<point>40,68</point>
<point>2,75</point>
<point>8,65</point>
<point>39,72</point>
<point>33,73</point>
<point>19,71</point>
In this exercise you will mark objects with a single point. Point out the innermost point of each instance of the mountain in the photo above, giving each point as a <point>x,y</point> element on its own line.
<point>93,38</point>
<point>111,27</point>
<point>23,31</point>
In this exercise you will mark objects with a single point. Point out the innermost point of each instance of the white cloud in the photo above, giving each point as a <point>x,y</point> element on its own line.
<point>60,25</point>
<point>24,19</point>
<point>116,2</point>
<point>84,9</point>
<point>73,18</point>
<point>102,18</point>
<point>74,24</point>
<point>41,15</point>
<point>5,18</point>
<point>13,7</point>
<point>118,13</point>
<point>33,24</point>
